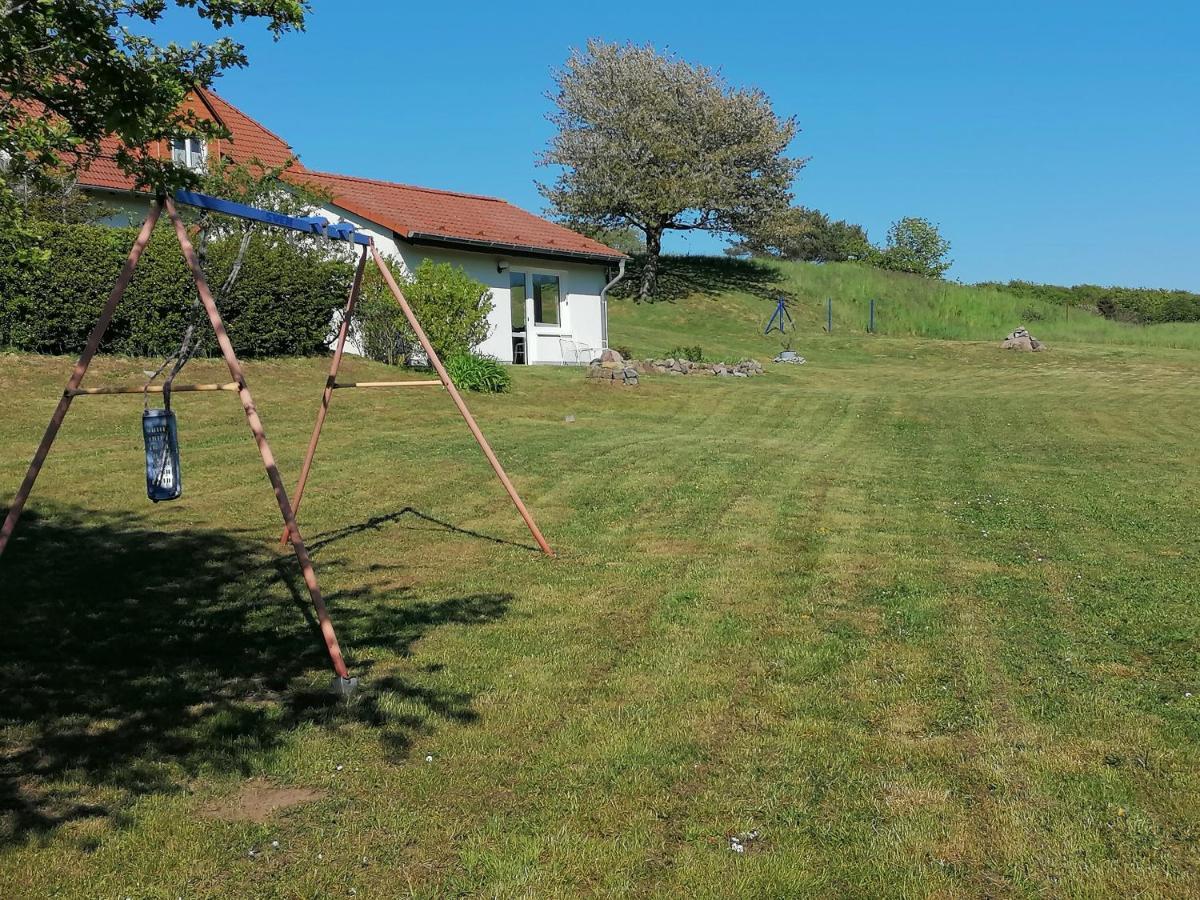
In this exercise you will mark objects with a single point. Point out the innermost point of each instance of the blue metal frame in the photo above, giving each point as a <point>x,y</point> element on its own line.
<point>318,225</point>
<point>779,318</point>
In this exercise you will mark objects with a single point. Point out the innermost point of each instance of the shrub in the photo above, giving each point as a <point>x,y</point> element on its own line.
<point>691,354</point>
<point>914,245</point>
<point>452,307</point>
<point>1144,305</point>
<point>484,374</point>
<point>281,305</point>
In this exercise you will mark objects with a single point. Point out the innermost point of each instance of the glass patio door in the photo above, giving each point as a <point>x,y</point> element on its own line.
<point>536,301</point>
<point>521,333</point>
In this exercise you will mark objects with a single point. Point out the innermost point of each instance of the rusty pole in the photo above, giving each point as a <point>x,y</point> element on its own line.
<point>330,384</point>
<point>81,367</point>
<point>458,400</point>
<point>260,438</point>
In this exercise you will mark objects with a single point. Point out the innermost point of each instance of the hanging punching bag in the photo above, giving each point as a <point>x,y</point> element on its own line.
<point>163,481</point>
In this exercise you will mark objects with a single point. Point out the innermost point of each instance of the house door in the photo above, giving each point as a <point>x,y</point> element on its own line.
<point>521,332</point>
<point>537,317</point>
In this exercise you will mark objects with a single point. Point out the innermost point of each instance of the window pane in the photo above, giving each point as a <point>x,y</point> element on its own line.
<point>179,151</point>
<point>516,293</point>
<point>545,299</point>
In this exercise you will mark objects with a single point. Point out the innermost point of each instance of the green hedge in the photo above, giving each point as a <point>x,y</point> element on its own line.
<point>1146,305</point>
<point>281,305</point>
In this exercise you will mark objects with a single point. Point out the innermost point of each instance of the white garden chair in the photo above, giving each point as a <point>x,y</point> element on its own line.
<point>576,353</point>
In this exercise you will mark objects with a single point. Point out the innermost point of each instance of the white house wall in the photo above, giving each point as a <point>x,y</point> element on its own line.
<point>122,208</point>
<point>581,310</point>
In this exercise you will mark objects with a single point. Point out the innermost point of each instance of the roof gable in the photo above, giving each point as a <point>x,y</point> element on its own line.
<point>248,141</point>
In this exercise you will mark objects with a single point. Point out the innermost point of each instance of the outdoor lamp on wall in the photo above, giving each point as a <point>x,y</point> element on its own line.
<point>502,265</point>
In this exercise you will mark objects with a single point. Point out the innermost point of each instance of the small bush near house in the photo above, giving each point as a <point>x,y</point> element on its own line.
<point>484,374</point>
<point>691,354</point>
<point>625,352</point>
<point>452,307</point>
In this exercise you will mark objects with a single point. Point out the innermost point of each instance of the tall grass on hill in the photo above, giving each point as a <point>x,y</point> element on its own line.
<point>725,304</point>
<point>921,307</point>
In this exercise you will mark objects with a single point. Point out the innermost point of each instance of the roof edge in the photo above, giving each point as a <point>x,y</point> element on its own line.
<point>419,237</point>
<point>409,187</point>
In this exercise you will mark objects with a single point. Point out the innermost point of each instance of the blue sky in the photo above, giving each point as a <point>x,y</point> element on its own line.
<point>1052,141</point>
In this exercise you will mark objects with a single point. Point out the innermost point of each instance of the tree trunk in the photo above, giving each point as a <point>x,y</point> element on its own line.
<point>650,269</point>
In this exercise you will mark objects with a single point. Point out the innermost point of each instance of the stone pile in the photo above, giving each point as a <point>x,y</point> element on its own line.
<point>747,368</point>
<point>611,366</point>
<point>1020,339</point>
<point>619,375</point>
<point>790,356</point>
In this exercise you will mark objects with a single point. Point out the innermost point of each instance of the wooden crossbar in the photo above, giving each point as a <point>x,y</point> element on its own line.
<point>368,384</point>
<point>153,389</point>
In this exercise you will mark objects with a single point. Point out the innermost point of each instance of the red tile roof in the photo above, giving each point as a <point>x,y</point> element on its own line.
<point>417,213</point>
<point>248,141</point>
<point>413,213</point>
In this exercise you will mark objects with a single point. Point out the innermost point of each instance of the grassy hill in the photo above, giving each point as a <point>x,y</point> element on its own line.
<point>724,304</point>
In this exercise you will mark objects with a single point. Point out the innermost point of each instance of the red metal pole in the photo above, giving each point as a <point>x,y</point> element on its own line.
<point>81,367</point>
<point>458,400</point>
<point>260,438</point>
<point>323,410</point>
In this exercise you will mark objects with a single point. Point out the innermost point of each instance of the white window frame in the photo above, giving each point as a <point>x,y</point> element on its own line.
<point>194,152</point>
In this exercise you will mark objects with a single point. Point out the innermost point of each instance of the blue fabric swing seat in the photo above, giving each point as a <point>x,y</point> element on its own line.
<point>161,435</point>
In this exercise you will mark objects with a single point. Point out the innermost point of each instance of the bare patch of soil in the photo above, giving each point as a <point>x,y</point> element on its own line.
<point>257,801</point>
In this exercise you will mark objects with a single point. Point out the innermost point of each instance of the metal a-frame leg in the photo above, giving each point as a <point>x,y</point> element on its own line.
<point>327,395</point>
<point>81,367</point>
<point>342,681</point>
<point>458,400</point>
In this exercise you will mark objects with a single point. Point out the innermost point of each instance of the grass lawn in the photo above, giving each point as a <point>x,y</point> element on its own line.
<point>922,614</point>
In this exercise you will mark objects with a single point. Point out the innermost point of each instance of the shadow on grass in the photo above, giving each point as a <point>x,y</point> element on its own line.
<point>374,523</point>
<point>133,660</point>
<point>709,276</point>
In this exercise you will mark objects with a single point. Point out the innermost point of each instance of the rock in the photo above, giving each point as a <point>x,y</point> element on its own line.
<point>611,364</point>
<point>609,373</point>
<point>612,356</point>
<point>1020,339</point>
<point>1022,342</point>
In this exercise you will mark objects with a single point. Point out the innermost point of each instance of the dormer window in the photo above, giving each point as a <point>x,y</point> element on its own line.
<point>190,152</point>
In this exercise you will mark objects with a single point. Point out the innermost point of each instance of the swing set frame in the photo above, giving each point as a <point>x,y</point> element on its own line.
<point>343,684</point>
